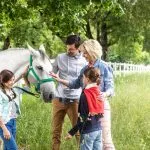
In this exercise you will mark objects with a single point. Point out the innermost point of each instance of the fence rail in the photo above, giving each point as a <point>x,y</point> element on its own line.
<point>124,68</point>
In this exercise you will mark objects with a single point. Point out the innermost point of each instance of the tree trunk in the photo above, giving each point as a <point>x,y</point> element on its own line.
<point>104,40</point>
<point>6,43</point>
<point>88,30</point>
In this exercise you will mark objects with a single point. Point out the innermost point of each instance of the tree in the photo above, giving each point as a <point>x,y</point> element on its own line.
<point>65,17</point>
<point>108,21</point>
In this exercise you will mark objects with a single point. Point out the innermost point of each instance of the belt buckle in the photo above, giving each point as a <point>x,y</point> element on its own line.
<point>61,100</point>
<point>71,100</point>
<point>67,100</point>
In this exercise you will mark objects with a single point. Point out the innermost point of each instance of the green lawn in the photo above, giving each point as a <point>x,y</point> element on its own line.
<point>130,118</point>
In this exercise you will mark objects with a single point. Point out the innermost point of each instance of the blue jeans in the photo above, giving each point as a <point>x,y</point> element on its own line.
<point>11,143</point>
<point>91,141</point>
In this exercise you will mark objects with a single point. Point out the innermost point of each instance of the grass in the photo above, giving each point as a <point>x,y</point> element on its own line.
<point>130,118</point>
<point>131,113</point>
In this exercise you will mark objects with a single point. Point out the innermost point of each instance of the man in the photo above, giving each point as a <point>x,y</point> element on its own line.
<point>68,66</point>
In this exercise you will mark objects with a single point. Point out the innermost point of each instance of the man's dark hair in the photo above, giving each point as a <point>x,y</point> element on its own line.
<point>73,39</point>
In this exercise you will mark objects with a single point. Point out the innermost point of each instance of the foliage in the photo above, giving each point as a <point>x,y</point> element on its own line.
<point>145,58</point>
<point>111,22</point>
<point>126,52</point>
<point>146,43</point>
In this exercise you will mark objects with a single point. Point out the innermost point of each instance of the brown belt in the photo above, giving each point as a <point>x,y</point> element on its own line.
<point>66,100</point>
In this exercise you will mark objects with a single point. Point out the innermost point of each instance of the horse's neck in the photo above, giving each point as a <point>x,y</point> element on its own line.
<point>14,60</point>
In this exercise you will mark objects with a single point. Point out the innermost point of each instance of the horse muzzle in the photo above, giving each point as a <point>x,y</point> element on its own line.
<point>47,97</point>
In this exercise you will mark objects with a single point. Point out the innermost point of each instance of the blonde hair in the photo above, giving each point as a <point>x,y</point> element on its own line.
<point>93,48</point>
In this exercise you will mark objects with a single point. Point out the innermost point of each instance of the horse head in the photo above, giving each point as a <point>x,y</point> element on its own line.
<point>38,73</point>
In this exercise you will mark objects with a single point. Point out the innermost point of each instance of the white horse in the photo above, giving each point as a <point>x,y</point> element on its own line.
<point>39,67</point>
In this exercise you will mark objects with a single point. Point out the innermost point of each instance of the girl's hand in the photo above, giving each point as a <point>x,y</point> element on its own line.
<point>23,74</point>
<point>68,137</point>
<point>25,71</point>
<point>6,134</point>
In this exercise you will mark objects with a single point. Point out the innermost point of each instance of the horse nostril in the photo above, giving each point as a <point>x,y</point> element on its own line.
<point>51,96</point>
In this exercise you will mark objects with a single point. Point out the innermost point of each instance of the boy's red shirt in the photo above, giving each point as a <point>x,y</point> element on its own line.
<point>95,103</point>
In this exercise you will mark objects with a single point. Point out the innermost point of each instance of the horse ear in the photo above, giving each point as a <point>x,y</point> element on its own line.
<point>30,48</point>
<point>33,51</point>
<point>42,48</point>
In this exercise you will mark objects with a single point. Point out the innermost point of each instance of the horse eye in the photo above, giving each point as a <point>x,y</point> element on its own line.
<point>39,67</point>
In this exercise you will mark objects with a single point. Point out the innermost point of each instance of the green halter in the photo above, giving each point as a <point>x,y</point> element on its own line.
<point>39,81</point>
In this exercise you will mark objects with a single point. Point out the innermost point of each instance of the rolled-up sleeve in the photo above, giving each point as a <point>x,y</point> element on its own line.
<point>108,81</point>
<point>55,65</point>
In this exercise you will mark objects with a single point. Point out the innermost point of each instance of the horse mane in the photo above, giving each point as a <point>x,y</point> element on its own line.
<point>16,49</point>
<point>42,54</point>
<point>11,50</point>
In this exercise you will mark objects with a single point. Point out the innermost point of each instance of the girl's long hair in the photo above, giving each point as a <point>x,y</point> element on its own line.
<point>5,76</point>
<point>93,74</point>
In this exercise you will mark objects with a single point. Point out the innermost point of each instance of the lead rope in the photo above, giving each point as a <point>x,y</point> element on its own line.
<point>28,92</point>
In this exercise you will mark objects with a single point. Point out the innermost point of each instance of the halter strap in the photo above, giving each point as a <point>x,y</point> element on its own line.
<point>40,81</point>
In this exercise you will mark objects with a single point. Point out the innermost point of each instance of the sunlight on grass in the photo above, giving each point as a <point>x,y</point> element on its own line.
<point>130,118</point>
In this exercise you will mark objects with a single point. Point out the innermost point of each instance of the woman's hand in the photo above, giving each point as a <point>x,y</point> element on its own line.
<point>103,96</point>
<point>68,137</point>
<point>6,134</point>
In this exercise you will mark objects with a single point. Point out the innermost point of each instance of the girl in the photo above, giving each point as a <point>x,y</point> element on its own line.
<point>91,109</point>
<point>9,109</point>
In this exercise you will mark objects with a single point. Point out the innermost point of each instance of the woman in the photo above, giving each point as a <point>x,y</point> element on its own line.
<point>9,109</point>
<point>92,51</point>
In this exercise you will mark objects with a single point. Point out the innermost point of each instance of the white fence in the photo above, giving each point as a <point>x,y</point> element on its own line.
<point>124,68</point>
